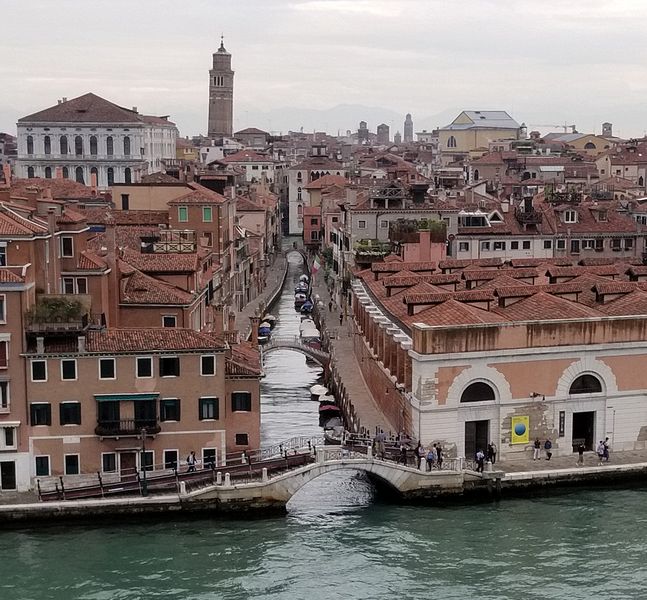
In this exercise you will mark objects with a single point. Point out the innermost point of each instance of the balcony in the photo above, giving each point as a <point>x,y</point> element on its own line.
<point>528,217</point>
<point>58,313</point>
<point>126,427</point>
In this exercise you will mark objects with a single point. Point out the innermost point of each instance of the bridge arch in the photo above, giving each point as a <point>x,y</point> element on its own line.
<point>296,345</point>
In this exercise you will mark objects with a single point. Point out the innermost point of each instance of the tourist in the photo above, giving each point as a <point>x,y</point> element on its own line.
<point>580,455</point>
<point>480,458</point>
<point>403,451</point>
<point>420,454</point>
<point>381,444</point>
<point>330,306</point>
<point>341,319</point>
<point>548,447</point>
<point>537,454</point>
<point>439,455</point>
<point>191,460</point>
<point>491,452</point>
<point>431,459</point>
<point>600,451</point>
<point>607,445</point>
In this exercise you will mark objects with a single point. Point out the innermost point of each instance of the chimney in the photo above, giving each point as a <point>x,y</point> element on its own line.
<point>64,99</point>
<point>6,169</point>
<point>255,322</point>
<point>351,196</point>
<point>81,344</point>
<point>218,322</point>
<point>59,173</point>
<point>40,345</point>
<point>134,109</point>
<point>113,276</point>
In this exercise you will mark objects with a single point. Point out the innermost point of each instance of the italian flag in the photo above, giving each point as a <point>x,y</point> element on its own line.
<point>316,265</point>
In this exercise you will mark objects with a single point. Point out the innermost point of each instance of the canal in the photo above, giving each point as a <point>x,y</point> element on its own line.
<point>338,540</point>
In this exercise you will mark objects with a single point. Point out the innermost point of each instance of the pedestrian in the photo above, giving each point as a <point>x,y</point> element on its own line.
<point>600,451</point>
<point>431,459</point>
<point>341,319</point>
<point>480,458</point>
<point>580,455</point>
<point>439,455</point>
<point>191,461</point>
<point>420,454</point>
<point>330,306</point>
<point>537,453</point>
<point>491,452</point>
<point>381,444</point>
<point>548,447</point>
<point>403,452</point>
<point>607,446</point>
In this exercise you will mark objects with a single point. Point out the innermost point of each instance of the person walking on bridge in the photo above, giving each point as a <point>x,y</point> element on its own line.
<point>420,454</point>
<point>439,455</point>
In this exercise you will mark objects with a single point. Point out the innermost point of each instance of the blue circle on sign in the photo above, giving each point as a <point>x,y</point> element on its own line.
<point>519,429</point>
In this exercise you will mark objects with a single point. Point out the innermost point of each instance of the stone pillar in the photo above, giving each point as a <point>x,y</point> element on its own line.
<point>227,479</point>
<point>219,478</point>
<point>264,475</point>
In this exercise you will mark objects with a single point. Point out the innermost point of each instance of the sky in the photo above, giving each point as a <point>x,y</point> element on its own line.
<point>326,64</point>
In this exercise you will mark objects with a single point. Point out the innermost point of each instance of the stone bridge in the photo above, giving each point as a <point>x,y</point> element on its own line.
<point>294,343</point>
<point>274,492</point>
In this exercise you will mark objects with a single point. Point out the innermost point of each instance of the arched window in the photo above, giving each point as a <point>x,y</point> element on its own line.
<point>48,172</point>
<point>47,142</point>
<point>95,172</point>
<point>110,146</point>
<point>478,392</point>
<point>78,175</point>
<point>63,144</point>
<point>641,181</point>
<point>299,177</point>
<point>126,146</point>
<point>78,145</point>
<point>66,173</point>
<point>299,210</point>
<point>30,144</point>
<point>30,172</point>
<point>451,142</point>
<point>128,175</point>
<point>111,176</point>
<point>476,174</point>
<point>586,384</point>
<point>299,195</point>
<point>93,145</point>
<point>589,146</point>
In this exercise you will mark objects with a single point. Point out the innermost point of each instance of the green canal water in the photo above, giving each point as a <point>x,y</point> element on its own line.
<point>340,541</point>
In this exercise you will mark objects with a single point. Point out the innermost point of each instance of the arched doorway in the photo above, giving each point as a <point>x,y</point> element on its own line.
<point>584,422</point>
<point>477,432</point>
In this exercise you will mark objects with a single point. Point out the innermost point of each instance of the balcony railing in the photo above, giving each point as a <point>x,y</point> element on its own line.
<point>528,217</point>
<point>127,427</point>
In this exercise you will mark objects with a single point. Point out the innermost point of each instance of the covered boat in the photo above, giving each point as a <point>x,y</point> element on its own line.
<point>271,319</point>
<point>334,431</point>
<point>304,278</point>
<point>307,307</point>
<point>317,390</point>
<point>299,299</point>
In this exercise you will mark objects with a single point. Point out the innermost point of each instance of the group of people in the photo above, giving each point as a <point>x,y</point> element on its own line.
<point>480,456</point>
<point>537,446</point>
<point>603,451</point>
<point>433,455</point>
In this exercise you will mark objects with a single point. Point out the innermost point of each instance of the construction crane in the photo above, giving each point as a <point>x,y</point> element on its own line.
<point>565,127</point>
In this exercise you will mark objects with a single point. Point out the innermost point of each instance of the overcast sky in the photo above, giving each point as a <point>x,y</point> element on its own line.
<point>546,62</point>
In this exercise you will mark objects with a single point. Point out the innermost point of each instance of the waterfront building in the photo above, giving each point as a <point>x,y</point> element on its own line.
<point>467,352</point>
<point>221,95</point>
<point>94,142</point>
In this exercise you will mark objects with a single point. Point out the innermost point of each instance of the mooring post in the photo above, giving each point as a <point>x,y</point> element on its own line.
<point>227,479</point>
<point>264,475</point>
<point>219,478</point>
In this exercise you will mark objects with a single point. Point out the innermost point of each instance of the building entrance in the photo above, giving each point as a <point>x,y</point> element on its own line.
<point>583,430</point>
<point>128,464</point>
<point>7,475</point>
<point>477,434</point>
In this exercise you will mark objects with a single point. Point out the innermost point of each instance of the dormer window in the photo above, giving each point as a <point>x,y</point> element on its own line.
<point>570,216</point>
<point>602,215</point>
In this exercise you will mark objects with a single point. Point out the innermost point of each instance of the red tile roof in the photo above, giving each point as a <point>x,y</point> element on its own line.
<point>394,267</point>
<point>151,339</point>
<point>199,195</point>
<point>61,189</point>
<point>90,261</point>
<point>180,262</point>
<point>246,156</point>
<point>138,288</point>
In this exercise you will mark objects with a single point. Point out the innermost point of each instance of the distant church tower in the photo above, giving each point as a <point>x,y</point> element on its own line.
<point>408,129</point>
<point>221,94</point>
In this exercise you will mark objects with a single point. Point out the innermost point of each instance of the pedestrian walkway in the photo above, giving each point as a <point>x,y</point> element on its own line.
<point>345,362</point>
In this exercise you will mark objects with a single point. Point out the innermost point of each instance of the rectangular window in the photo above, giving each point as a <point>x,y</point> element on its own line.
<point>170,459</point>
<point>4,355</point>
<point>562,423</point>
<point>68,285</point>
<point>67,246</point>
<point>208,409</point>
<point>81,285</point>
<point>109,462</point>
<point>615,244</point>
<point>629,244</point>
<point>125,201</point>
<point>207,214</point>
<point>3,308</point>
<point>208,365</point>
<point>561,244</point>
<point>4,394</point>
<point>548,244</point>
<point>70,413</point>
<point>182,214</point>
<point>314,236</point>
<point>314,221</point>
<point>599,245</point>
<point>499,245</point>
<point>68,369</point>
<point>107,368</point>
<point>9,437</point>
<point>588,244</point>
<point>525,245</point>
<point>42,466</point>
<point>241,401</point>
<point>514,245</point>
<point>169,321</point>
<point>384,224</point>
<point>361,224</point>
<point>575,246</point>
<point>147,460</point>
<point>72,464</point>
<point>463,246</point>
<point>39,370</point>
<point>570,216</point>
<point>170,409</point>
<point>242,439</point>
<point>40,413</point>
<point>3,255</point>
<point>144,367</point>
<point>485,246</point>
<point>169,366</point>
<point>208,458</point>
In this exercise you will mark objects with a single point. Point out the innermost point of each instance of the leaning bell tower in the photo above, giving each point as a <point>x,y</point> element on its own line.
<point>221,94</point>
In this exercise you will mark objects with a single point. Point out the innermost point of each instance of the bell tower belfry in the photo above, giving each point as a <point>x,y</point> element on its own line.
<point>221,94</point>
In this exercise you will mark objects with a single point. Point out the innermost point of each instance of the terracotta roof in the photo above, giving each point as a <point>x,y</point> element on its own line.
<point>452,312</point>
<point>326,181</point>
<point>138,288</point>
<point>251,130</point>
<point>11,223</point>
<point>462,296</point>
<point>455,263</point>
<point>61,189</point>
<point>637,270</point>
<point>575,271</point>
<point>543,306</point>
<point>487,274</point>
<point>392,258</point>
<point>88,108</point>
<point>535,262</point>
<point>105,215</point>
<point>634,303</point>
<point>244,204</point>
<point>151,339</point>
<point>199,195</point>
<point>245,361</point>
<point>614,287</point>
<point>90,261</point>
<point>246,156</point>
<point>70,217</point>
<point>159,177</point>
<point>179,262</point>
<point>394,267</point>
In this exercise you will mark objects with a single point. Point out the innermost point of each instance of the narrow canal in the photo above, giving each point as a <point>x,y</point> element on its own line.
<point>338,541</point>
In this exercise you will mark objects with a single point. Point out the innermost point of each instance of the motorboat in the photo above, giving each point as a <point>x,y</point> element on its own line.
<point>306,323</point>
<point>271,319</point>
<point>304,278</point>
<point>264,332</point>
<point>299,299</point>
<point>317,390</point>
<point>307,307</point>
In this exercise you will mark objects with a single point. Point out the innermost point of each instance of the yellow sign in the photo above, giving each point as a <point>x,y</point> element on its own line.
<point>520,430</point>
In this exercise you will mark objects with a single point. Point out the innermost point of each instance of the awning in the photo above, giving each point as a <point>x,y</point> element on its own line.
<point>125,397</point>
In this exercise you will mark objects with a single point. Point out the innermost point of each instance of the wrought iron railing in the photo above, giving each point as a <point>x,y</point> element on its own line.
<point>127,427</point>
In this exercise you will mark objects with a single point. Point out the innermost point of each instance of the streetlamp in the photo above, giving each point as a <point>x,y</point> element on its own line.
<point>143,462</point>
